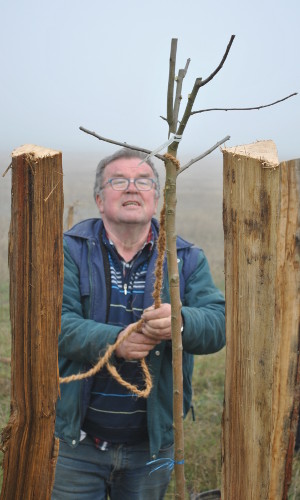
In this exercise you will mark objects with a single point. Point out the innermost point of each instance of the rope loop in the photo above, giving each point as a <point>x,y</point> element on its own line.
<point>173,160</point>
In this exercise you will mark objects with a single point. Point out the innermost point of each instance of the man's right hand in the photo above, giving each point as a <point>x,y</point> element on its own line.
<point>136,346</point>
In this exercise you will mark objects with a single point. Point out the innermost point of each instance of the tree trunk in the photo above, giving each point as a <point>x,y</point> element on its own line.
<point>170,194</point>
<point>261,219</point>
<point>36,279</point>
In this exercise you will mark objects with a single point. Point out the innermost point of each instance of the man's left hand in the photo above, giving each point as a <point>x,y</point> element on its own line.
<point>157,322</point>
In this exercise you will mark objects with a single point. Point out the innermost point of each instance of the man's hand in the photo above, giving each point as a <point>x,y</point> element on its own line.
<point>157,323</point>
<point>136,346</point>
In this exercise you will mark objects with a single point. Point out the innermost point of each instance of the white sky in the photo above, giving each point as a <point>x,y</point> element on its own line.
<point>104,65</point>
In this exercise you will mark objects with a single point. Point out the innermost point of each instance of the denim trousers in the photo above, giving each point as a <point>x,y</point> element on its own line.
<point>120,472</point>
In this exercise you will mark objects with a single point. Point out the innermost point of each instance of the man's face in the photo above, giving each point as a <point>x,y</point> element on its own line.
<point>131,206</point>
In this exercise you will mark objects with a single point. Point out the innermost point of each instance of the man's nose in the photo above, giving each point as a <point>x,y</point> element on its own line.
<point>132,186</point>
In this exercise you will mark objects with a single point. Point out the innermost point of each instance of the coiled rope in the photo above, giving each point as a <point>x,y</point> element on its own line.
<point>161,247</point>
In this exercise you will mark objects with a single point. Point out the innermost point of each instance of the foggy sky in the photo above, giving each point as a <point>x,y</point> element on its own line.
<point>104,65</point>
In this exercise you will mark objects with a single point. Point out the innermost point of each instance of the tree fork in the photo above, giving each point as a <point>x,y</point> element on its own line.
<point>36,280</point>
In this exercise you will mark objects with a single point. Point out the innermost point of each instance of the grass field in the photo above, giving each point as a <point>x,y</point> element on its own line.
<point>202,436</point>
<point>4,353</point>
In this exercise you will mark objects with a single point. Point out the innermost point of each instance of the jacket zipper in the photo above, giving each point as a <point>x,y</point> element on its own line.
<point>125,278</point>
<point>90,276</point>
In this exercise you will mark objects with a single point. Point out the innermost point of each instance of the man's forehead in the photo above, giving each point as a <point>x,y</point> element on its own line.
<point>123,165</point>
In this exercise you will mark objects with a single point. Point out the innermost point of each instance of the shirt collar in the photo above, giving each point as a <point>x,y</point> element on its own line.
<point>149,243</point>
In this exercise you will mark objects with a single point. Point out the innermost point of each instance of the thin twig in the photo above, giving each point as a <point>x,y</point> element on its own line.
<point>123,144</point>
<point>187,113</point>
<point>210,150</point>
<point>178,97</point>
<point>170,94</point>
<point>211,76</point>
<point>9,166</point>
<point>192,96</point>
<point>244,109</point>
<point>52,190</point>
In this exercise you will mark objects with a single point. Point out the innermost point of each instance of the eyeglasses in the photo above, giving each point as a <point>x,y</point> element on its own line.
<point>122,183</point>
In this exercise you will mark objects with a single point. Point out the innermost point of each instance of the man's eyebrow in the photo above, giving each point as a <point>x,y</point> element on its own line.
<point>121,174</point>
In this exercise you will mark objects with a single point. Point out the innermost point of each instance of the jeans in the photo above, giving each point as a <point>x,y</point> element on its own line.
<point>118,473</point>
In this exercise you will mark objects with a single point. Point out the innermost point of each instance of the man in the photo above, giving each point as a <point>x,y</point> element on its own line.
<point>108,435</point>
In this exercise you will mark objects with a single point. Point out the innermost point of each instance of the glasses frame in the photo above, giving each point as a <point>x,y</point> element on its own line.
<point>135,180</point>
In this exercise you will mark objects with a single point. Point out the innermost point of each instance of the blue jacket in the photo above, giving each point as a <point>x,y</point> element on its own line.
<point>84,334</point>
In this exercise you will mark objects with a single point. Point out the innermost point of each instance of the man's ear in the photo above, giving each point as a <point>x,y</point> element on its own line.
<point>99,203</point>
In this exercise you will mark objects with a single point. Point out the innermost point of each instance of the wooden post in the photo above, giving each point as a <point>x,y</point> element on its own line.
<point>36,279</point>
<point>70,217</point>
<point>261,220</point>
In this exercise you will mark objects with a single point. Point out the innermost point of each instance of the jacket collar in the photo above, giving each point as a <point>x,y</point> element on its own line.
<point>89,229</point>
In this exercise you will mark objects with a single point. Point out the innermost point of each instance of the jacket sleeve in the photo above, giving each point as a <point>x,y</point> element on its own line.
<point>80,339</point>
<point>203,312</point>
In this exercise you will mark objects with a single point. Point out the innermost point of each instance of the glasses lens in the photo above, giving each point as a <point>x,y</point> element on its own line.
<point>144,184</point>
<point>119,184</point>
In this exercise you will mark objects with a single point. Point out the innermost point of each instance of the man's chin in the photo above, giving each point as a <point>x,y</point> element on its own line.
<point>135,221</point>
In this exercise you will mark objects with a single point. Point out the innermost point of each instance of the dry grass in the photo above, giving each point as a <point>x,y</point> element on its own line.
<point>4,352</point>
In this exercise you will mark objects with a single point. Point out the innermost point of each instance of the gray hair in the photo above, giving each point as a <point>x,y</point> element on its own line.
<point>122,153</point>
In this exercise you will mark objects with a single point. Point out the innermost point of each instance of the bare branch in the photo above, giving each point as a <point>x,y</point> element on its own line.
<point>191,98</point>
<point>170,95</point>
<point>186,66</point>
<point>163,118</point>
<point>210,77</point>
<point>9,166</point>
<point>123,144</point>
<point>210,150</point>
<point>244,109</point>
<point>52,191</point>
<point>178,97</point>
<point>188,108</point>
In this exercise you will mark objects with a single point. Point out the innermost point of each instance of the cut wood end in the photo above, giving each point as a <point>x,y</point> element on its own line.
<point>265,151</point>
<point>32,149</point>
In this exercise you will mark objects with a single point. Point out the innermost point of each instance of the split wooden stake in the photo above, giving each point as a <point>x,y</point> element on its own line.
<point>261,221</point>
<point>36,280</point>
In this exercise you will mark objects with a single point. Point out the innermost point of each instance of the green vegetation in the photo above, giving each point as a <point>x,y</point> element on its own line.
<point>4,355</point>
<point>202,436</point>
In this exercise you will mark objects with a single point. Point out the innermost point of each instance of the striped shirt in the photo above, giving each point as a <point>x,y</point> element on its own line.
<point>115,414</point>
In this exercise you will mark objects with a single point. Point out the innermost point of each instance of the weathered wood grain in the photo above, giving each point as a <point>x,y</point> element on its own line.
<point>261,220</point>
<point>36,278</point>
